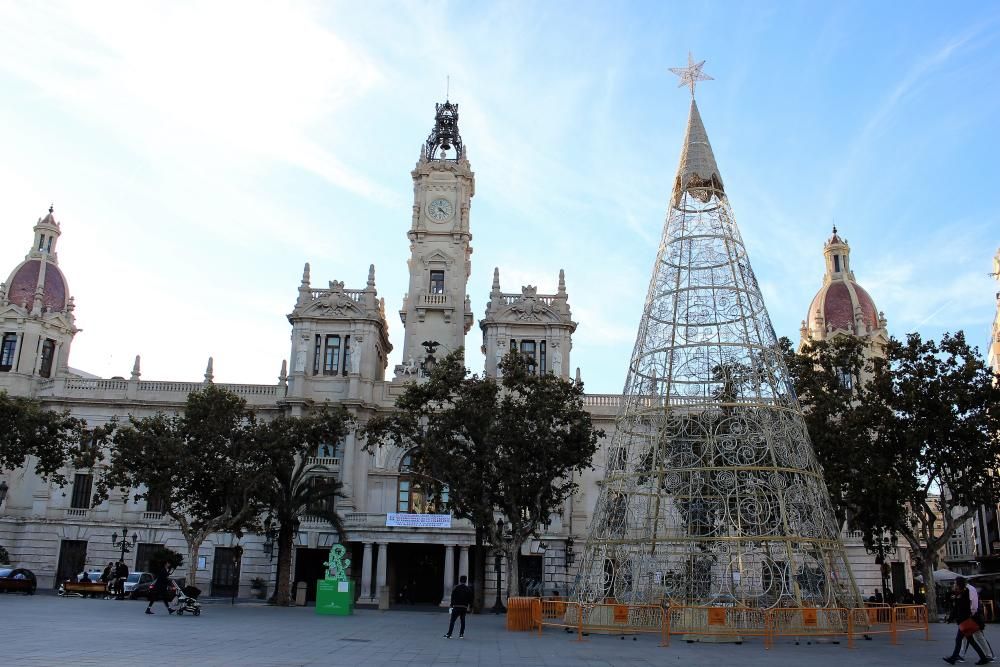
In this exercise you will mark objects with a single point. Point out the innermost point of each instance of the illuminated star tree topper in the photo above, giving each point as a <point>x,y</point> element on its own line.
<point>692,74</point>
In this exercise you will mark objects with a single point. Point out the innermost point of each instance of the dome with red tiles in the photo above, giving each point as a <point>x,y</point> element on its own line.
<point>841,304</point>
<point>24,280</point>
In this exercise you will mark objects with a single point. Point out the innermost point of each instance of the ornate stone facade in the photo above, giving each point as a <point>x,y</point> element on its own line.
<point>339,353</point>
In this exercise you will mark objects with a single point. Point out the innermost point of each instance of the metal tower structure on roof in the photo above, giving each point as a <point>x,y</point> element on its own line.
<point>712,493</point>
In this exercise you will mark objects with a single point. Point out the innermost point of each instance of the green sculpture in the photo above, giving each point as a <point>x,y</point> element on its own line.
<point>337,564</point>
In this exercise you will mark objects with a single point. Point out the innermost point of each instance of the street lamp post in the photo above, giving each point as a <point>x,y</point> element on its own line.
<point>126,546</point>
<point>881,548</point>
<point>237,562</point>
<point>498,607</point>
<point>124,543</point>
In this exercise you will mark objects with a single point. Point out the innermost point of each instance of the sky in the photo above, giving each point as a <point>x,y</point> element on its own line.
<point>198,154</point>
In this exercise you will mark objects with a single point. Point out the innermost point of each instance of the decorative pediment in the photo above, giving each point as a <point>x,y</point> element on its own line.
<point>529,308</point>
<point>333,305</point>
<point>436,256</point>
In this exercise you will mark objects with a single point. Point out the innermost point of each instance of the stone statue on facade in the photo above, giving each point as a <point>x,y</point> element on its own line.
<point>300,355</point>
<point>356,356</point>
<point>556,360</point>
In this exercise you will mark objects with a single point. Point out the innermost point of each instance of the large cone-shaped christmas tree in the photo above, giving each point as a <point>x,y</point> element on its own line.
<point>712,493</point>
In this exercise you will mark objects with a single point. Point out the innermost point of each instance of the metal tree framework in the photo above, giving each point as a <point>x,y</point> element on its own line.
<point>712,493</point>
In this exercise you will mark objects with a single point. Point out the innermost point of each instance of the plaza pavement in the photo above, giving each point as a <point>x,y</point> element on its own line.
<point>48,631</point>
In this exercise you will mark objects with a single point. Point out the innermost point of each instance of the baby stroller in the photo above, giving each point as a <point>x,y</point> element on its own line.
<point>187,600</point>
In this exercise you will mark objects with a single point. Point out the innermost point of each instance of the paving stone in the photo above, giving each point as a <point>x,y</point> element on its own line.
<point>45,630</point>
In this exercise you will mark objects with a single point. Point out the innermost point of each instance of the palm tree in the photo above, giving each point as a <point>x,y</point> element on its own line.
<point>294,487</point>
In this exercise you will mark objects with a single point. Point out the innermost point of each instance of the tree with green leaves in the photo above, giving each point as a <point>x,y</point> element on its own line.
<point>290,486</point>
<point>507,448</point>
<point>199,464</point>
<point>909,441</point>
<point>48,440</point>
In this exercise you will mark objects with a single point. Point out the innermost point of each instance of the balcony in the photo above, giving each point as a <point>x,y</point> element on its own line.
<point>442,302</point>
<point>331,462</point>
<point>76,513</point>
<point>152,516</point>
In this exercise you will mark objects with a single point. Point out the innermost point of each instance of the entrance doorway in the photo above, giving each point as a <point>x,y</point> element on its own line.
<point>72,560</point>
<point>309,569</point>
<point>529,574</point>
<point>899,580</point>
<point>417,574</point>
<point>224,572</point>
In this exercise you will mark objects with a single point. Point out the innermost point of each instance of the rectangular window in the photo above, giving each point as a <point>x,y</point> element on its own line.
<point>82,484</point>
<point>347,355</point>
<point>513,345</point>
<point>7,351</point>
<point>48,247</point>
<point>528,350</point>
<point>48,352</point>
<point>403,503</point>
<point>331,361</point>
<point>437,282</point>
<point>541,357</point>
<point>317,353</point>
<point>41,241</point>
<point>836,263</point>
<point>846,380</point>
<point>155,503</point>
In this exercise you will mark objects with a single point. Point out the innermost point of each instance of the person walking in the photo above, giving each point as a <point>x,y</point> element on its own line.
<point>160,589</point>
<point>461,600</point>
<point>967,626</point>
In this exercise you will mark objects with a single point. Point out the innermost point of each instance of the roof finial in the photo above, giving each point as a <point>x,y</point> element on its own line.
<point>52,207</point>
<point>209,371</point>
<point>371,276</point>
<point>496,278</point>
<point>692,74</point>
<point>562,281</point>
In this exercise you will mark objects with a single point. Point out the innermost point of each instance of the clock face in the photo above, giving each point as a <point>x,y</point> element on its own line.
<point>440,210</point>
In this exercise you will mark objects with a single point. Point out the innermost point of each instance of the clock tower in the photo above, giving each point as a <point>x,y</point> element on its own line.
<point>436,311</point>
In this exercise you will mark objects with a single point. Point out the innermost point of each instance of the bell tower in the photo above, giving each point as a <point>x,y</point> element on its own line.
<point>436,311</point>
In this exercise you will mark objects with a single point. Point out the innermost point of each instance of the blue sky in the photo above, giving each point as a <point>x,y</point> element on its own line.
<point>199,154</point>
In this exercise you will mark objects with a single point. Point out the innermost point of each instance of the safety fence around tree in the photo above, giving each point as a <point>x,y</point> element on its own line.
<point>725,623</point>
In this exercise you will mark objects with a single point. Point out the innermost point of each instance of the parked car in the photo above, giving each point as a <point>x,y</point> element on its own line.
<point>18,580</point>
<point>93,575</point>
<point>142,590</point>
<point>136,578</point>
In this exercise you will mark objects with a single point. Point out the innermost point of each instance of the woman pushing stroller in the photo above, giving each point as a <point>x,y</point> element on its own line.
<point>161,587</point>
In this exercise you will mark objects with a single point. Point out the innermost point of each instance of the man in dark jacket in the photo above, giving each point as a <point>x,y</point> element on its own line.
<point>121,574</point>
<point>963,611</point>
<point>461,599</point>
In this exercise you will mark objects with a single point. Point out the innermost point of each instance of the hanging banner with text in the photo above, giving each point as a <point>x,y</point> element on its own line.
<point>402,520</point>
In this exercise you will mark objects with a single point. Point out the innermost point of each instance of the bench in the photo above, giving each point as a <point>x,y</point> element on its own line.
<point>73,589</point>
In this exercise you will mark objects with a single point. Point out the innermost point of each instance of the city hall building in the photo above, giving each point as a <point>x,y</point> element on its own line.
<point>400,550</point>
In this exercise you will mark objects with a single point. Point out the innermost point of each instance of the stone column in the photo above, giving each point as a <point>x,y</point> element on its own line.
<point>380,579</point>
<point>449,574</point>
<point>347,469</point>
<point>463,560</point>
<point>366,575</point>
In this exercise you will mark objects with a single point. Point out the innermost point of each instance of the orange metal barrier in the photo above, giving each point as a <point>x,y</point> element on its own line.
<point>989,610</point>
<point>731,622</point>
<point>734,622</point>
<point>622,618</point>
<point>558,613</point>
<point>809,622</point>
<point>910,618</point>
<point>520,614</point>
